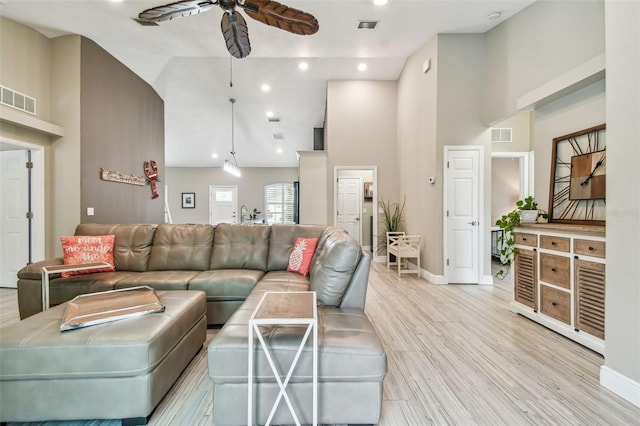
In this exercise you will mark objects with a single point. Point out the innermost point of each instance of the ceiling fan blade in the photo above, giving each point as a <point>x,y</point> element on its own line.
<point>236,34</point>
<point>281,16</point>
<point>177,10</point>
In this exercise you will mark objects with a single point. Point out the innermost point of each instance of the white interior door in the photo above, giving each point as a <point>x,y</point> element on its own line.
<point>462,216</point>
<point>14,228</point>
<point>223,204</point>
<point>349,207</point>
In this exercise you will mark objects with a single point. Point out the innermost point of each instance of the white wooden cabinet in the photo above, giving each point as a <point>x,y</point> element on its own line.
<point>559,280</point>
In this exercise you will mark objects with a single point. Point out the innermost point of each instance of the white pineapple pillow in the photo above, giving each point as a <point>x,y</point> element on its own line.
<point>301,254</point>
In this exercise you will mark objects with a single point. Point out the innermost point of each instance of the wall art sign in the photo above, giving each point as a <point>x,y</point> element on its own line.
<point>114,176</point>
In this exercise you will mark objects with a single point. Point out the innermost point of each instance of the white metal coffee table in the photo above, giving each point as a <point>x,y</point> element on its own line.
<point>284,308</point>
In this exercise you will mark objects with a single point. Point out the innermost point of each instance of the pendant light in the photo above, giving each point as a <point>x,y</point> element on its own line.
<point>230,167</point>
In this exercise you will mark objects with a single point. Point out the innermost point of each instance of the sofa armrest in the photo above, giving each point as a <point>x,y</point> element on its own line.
<point>34,270</point>
<point>356,294</point>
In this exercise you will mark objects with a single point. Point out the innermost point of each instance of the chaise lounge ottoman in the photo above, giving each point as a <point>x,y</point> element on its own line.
<point>116,370</point>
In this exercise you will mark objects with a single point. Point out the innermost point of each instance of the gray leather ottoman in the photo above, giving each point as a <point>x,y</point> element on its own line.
<point>117,370</point>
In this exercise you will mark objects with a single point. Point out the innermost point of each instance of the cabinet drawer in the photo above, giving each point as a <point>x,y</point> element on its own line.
<point>530,240</point>
<point>555,269</point>
<point>555,303</point>
<point>555,243</point>
<point>589,248</point>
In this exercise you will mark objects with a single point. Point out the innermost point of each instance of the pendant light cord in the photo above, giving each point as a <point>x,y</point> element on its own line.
<point>233,137</point>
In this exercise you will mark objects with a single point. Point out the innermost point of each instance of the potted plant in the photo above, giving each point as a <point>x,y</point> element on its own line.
<point>526,211</point>
<point>254,215</point>
<point>393,215</point>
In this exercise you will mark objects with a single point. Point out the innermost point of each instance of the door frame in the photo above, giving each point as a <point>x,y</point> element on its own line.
<point>483,228</point>
<point>525,163</point>
<point>38,202</point>
<point>374,169</point>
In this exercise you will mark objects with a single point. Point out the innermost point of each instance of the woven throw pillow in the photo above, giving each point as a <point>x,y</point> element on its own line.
<point>301,254</point>
<point>82,249</point>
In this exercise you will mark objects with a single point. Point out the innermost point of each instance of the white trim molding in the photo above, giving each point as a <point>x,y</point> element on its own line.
<point>621,385</point>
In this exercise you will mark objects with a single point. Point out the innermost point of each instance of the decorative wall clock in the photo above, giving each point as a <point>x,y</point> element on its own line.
<point>577,190</point>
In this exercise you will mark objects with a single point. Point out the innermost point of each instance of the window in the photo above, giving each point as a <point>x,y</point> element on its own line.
<point>278,199</point>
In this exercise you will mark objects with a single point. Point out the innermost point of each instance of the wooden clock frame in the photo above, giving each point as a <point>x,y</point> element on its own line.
<point>577,188</point>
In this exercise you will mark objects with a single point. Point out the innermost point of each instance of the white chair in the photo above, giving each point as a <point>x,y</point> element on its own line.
<point>403,247</point>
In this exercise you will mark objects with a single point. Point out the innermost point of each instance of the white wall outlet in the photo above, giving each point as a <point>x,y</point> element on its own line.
<point>90,211</point>
<point>426,65</point>
<point>364,210</point>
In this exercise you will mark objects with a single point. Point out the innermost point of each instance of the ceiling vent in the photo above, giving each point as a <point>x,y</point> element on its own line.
<point>501,134</point>
<point>273,119</point>
<point>367,25</point>
<point>278,136</point>
<point>17,100</point>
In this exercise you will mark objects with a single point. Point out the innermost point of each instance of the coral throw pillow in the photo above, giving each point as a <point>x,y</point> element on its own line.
<point>301,254</point>
<point>81,249</point>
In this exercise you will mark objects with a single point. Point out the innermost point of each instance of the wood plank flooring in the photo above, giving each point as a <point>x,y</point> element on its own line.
<point>456,356</point>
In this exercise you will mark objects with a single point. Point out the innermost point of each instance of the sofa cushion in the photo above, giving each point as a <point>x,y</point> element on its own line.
<point>132,246</point>
<point>64,289</point>
<point>333,265</point>
<point>181,247</point>
<point>79,249</point>
<point>349,349</point>
<point>159,280</point>
<point>240,247</point>
<point>283,237</point>
<point>226,284</point>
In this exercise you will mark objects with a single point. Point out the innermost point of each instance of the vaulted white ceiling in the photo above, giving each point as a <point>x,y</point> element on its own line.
<point>186,61</point>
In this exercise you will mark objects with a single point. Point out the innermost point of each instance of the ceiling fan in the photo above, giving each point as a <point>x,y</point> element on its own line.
<point>233,25</point>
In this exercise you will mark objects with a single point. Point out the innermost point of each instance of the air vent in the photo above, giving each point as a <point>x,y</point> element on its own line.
<point>273,119</point>
<point>501,134</point>
<point>17,100</point>
<point>367,25</point>
<point>278,136</point>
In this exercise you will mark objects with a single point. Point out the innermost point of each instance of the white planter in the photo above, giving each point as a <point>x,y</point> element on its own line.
<point>528,216</point>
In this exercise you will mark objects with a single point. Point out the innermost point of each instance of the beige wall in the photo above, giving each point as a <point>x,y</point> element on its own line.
<point>540,43</point>
<point>521,124</point>
<point>361,131</point>
<point>64,167</point>
<point>313,188</point>
<point>622,326</point>
<point>198,179</point>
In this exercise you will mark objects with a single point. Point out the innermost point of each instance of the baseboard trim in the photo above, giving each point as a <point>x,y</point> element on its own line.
<point>486,280</point>
<point>621,385</point>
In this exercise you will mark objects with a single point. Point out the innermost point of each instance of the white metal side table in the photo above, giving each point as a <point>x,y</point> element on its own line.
<point>284,308</point>
<point>57,269</point>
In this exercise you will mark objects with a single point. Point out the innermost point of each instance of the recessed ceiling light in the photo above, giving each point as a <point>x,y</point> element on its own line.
<point>279,150</point>
<point>494,15</point>
<point>269,114</point>
<point>380,2</point>
<point>214,155</point>
<point>265,87</point>
<point>303,66</point>
<point>362,66</point>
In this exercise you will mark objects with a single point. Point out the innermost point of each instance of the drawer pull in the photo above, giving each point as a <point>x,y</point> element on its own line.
<point>554,303</point>
<point>553,269</point>
<point>553,243</point>
<point>591,249</point>
<point>524,239</point>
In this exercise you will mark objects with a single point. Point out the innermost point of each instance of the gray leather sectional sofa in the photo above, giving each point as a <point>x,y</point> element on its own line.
<point>234,265</point>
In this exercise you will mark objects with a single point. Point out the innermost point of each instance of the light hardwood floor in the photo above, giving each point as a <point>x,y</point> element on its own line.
<point>456,356</point>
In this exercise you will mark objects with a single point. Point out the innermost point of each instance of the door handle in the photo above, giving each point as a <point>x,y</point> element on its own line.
<point>474,223</point>
<point>357,218</point>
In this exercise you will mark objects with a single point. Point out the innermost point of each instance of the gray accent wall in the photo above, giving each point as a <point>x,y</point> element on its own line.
<point>122,126</point>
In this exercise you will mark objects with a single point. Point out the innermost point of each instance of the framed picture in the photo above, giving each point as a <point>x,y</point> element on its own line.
<point>188,200</point>
<point>368,191</point>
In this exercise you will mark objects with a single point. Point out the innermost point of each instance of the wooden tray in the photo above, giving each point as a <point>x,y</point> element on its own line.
<point>98,308</point>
